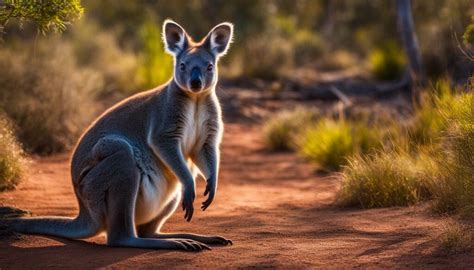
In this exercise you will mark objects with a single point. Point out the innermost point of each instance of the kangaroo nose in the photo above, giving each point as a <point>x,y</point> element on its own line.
<point>195,80</point>
<point>196,84</point>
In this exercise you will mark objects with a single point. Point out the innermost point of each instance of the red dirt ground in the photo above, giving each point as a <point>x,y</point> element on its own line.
<point>276,209</point>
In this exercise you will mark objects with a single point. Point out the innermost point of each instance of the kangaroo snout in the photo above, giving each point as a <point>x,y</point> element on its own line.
<point>195,81</point>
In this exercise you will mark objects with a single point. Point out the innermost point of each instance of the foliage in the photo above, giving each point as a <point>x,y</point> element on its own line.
<point>453,189</point>
<point>456,237</point>
<point>266,57</point>
<point>387,62</point>
<point>434,158</point>
<point>155,65</point>
<point>103,54</point>
<point>308,47</point>
<point>329,143</point>
<point>281,131</point>
<point>383,179</point>
<point>12,161</point>
<point>47,95</point>
<point>468,35</point>
<point>47,14</point>
<point>429,119</point>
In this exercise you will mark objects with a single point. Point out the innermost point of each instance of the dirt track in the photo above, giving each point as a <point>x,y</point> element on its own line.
<point>277,211</point>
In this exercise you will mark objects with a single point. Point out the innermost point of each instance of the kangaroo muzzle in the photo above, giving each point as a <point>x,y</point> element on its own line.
<point>195,82</point>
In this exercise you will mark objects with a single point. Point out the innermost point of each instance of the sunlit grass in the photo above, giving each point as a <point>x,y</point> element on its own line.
<point>386,178</point>
<point>454,188</point>
<point>330,142</point>
<point>281,130</point>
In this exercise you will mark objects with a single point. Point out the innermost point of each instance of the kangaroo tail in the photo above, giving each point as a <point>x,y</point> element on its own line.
<point>75,228</point>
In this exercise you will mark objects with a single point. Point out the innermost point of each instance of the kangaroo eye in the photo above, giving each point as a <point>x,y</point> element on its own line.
<point>182,67</point>
<point>210,67</point>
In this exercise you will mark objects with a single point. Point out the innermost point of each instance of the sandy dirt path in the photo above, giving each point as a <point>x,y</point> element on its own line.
<point>274,207</point>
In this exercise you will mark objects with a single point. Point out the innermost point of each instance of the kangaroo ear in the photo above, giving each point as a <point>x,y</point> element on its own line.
<point>219,38</point>
<point>174,37</point>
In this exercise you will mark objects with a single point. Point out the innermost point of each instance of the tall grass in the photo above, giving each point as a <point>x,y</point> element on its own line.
<point>439,163</point>
<point>454,188</point>
<point>12,161</point>
<point>281,131</point>
<point>384,179</point>
<point>330,142</point>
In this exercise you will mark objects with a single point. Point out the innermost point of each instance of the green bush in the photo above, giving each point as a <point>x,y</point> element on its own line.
<point>383,179</point>
<point>102,54</point>
<point>51,14</point>
<point>387,62</point>
<point>308,47</point>
<point>329,143</point>
<point>155,65</point>
<point>46,95</point>
<point>281,130</point>
<point>12,161</point>
<point>266,57</point>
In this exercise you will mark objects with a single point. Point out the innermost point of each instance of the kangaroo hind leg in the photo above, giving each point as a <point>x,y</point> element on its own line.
<point>119,169</point>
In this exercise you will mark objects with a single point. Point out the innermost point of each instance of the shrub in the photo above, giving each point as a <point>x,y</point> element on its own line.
<point>46,95</point>
<point>383,179</point>
<point>329,143</point>
<point>155,65</point>
<point>281,130</point>
<point>455,237</point>
<point>266,57</point>
<point>11,157</point>
<point>102,53</point>
<point>308,47</point>
<point>387,62</point>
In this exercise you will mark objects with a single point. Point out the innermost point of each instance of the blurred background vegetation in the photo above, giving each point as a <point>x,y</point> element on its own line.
<point>52,85</point>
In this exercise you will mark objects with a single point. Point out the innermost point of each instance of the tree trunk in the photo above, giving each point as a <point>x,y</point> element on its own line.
<point>415,74</point>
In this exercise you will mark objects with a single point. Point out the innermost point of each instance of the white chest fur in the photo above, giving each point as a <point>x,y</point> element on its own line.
<point>194,131</point>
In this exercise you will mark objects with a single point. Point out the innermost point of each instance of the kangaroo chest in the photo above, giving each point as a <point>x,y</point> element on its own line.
<point>194,131</point>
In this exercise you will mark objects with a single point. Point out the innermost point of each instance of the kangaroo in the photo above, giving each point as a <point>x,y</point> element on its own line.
<point>139,159</point>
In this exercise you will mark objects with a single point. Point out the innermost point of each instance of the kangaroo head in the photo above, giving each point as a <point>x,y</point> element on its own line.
<point>195,63</point>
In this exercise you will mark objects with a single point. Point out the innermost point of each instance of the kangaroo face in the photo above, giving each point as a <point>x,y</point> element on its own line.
<point>195,64</point>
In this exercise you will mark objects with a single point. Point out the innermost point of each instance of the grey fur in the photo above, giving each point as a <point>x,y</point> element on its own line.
<point>136,162</point>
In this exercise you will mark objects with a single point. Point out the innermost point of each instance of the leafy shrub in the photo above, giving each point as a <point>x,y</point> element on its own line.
<point>55,14</point>
<point>102,53</point>
<point>468,36</point>
<point>383,179</point>
<point>308,47</point>
<point>329,143</point>
<point>46,95</point>
<point>281,130</point>
<point>266,57</point>
<point>11,157</point>
<point>387,62</point>
<point>155,65</point>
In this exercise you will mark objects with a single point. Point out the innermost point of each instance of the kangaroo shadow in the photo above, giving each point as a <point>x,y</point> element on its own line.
<point>64,253</point>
